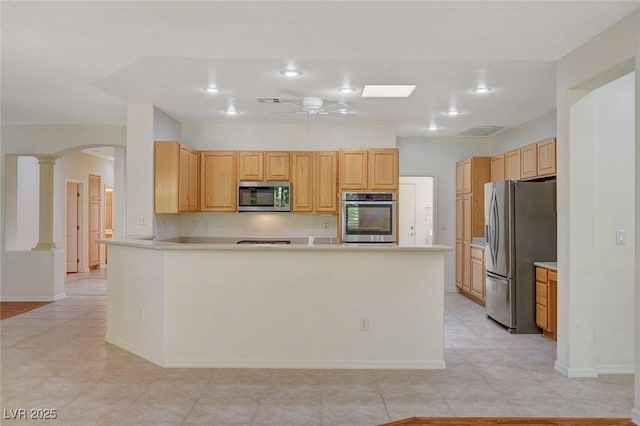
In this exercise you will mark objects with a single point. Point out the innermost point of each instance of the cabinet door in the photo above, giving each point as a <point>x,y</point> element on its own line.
<point>218,181</point>
<point>529,158</point>
<point>466,176</point>
<point>276,166</point>
<point>95,186</point>
<point>194,194</point>
<point>459,218</point>
<point>459,177</point>
<point>383,169</point>
<point>477,277</point>
<point>466,211</point>
<point>512,165</point>
<point>166,170</point>
<point>302,181</point>
<point>183,179</point>
<point>250,166</point>
<point>354,169</point>
<point>459,262</point>
<point>326,182</point>
<point>497,168</point>
<point>466,268</point>
<point>547,157</point>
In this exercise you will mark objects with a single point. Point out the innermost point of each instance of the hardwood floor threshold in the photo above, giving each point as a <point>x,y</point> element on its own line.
<point>510,421</point>
<point>11,309</point>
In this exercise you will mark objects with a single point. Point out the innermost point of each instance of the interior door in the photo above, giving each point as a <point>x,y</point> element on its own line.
<point>71,246</point>
<point>407,214</point>
<point>94,220</point>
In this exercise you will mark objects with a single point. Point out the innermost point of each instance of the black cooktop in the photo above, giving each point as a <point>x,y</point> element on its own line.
<point>264,242</point>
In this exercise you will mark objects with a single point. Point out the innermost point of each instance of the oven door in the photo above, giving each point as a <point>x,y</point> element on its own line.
<point>369,221</point>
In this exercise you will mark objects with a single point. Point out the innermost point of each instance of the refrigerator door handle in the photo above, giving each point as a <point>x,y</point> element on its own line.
<point>494,227</point>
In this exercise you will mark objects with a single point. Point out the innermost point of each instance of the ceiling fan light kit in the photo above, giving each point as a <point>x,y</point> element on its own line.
<point>291,72</point>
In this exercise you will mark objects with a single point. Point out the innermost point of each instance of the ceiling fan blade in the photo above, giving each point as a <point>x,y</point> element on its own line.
<point>337,105</point>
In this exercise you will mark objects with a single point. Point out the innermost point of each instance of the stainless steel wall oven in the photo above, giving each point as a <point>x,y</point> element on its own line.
<point>369,217</point>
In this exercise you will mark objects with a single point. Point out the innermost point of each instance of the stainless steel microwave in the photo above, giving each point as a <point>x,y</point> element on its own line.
<point>264,196</point>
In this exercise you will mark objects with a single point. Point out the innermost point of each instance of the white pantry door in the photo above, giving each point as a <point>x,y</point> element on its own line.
<point>416,212</point>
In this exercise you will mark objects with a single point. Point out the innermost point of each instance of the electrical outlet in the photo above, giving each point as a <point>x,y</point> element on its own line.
<point>141,220</point>
<point>364,324</point>
<point>620,237</point>
<point>326,226</point>
<point>205,225</point>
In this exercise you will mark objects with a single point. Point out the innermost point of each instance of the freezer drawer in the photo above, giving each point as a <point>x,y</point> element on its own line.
<point>500,300</point>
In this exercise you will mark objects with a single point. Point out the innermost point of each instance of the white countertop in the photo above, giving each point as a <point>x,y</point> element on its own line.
<point>549,265</point>
<point>210,244</point>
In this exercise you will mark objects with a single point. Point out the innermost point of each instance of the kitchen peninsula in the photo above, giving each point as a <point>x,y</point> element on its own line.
<point>277,306</point>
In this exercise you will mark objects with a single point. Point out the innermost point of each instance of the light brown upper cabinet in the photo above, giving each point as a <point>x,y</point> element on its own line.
<point>539,159</point>
<point>218,192</point>
<point>175,186</point>
<point>276,166</point>
<point>497,168</point>
<point>302,181</point>
<point>354,171</point>
<point>547,157</point>
<point>472,174</point>
<point>363,169</point>
<point>459,177</point>
<point>512,165</point>
<point>325,186</point>
<point>250,165</point>
<point>194,181</point>
<point>466,176</point>
<point>263,165</point>
<point>529,161</point>
<point>383,169</point>
<point>314,181</point>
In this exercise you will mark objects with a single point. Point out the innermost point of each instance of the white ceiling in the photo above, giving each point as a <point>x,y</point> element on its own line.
<point>82,62</point>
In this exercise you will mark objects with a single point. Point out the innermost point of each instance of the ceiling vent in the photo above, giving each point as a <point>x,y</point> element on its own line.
<point>268,100</point>
<point>480,131</point>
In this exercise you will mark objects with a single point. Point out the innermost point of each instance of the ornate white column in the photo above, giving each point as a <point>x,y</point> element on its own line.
<point>45,236</point>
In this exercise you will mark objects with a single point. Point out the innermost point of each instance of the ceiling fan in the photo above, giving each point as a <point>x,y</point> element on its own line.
<point>310,106</point>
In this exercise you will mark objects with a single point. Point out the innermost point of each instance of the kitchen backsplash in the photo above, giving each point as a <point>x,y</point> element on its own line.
<point>253,225</point>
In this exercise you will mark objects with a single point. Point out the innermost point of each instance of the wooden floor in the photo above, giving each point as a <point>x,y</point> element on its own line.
<point>510,421</point>
<point>10,309</point>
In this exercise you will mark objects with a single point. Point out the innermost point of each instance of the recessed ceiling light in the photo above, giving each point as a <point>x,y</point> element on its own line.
<point>453,111</point>
<point>211,89</point>
<point>231,111</point>
<point>481,90</point>
<point>432,127</point>
<point>291,72</point>
<point>347,90</point>
<point>388,90</point>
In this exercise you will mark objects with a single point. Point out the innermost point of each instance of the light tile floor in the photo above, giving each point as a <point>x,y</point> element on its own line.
<point>55,357</point>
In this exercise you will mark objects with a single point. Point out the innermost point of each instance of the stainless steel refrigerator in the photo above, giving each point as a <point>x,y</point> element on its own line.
<point>520,228</point>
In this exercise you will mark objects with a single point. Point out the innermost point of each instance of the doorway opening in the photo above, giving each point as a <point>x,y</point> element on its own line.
<point>417,210</point>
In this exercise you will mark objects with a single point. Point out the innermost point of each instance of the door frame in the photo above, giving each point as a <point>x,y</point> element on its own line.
<point>82,235</point>
<point>434,176</point>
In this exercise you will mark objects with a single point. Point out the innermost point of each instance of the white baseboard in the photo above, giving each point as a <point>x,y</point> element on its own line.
<point>59,296</point>
<point>309,364</point>
<point>131,348</point>
<point>616,369</point>
<point>573,372</point>
<point>302,364</point>
<point>26,299</point>
<point>635,415</point>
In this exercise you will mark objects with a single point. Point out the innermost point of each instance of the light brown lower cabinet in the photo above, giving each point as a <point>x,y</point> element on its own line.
<point>477,273</point>
<point>546,301</point>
